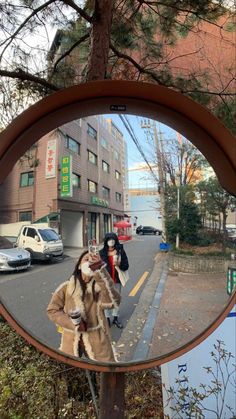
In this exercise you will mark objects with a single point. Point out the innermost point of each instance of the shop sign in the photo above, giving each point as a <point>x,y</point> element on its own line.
<point>98,201</point>
<point>50,169</point>
<point>66,177</point>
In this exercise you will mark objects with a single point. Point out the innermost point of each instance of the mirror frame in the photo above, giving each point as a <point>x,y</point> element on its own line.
<point>160,103</point>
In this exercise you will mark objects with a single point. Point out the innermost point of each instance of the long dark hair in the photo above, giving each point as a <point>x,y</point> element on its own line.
<point>78,277</point>
<point>111,236</point>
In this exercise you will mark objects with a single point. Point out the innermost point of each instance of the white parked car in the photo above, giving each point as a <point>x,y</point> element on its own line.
<point>43,243</point>
<point>13,258</point>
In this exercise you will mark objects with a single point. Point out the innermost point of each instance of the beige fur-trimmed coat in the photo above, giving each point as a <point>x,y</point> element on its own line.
<point>68,297</point>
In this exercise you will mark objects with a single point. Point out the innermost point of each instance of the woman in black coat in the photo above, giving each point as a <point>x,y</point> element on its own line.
<point>113,254</point>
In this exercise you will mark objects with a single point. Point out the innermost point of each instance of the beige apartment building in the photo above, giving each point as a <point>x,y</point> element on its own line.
<point>74,177</point>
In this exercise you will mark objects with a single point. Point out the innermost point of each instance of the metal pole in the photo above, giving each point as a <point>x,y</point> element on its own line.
<point>88,375</point>
<point>161,181</point>
<point>112,390</point>
<point>159,153</point>
<point>177,235</point>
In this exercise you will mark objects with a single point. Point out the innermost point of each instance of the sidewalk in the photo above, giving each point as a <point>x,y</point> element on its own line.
<point>173,308</point>
<point>74,252</point>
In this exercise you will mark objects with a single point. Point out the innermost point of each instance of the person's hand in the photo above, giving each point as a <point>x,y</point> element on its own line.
<point>75,317</point>
<point>82,326</point>
<point>95,262</point>
<point>115,260</point>
<point>96,265</point>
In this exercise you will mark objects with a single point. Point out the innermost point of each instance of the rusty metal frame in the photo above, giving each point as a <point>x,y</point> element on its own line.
<point>196,123</point>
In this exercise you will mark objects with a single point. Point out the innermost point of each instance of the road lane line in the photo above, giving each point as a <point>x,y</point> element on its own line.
<point>139,284</point>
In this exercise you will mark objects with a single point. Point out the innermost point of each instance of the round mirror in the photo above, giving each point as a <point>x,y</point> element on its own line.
<point>146,171</point>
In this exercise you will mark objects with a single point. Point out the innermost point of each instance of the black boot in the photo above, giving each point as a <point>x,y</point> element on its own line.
<point>109,321</point>
<point>117,323</point>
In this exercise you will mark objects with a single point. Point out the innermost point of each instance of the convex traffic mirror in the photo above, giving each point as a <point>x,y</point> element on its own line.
<point>118,136</point>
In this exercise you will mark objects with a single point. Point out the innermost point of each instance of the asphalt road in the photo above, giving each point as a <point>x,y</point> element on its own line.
<point>27,294</point>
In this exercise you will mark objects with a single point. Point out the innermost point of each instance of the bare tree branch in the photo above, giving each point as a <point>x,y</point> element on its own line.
<point>24,76</point>
<point>135,64</point>
<point>43,6</point>
<point>178,9</point>
<point>67,53</point>
<point>79,10</point>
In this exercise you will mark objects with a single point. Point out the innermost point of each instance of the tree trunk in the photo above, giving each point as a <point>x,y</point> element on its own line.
<point>100,40</point>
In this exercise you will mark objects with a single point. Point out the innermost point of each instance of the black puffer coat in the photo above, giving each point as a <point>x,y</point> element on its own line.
<point>124,263</point>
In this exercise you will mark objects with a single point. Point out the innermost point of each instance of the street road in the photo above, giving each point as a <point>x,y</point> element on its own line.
<point>27,294</point>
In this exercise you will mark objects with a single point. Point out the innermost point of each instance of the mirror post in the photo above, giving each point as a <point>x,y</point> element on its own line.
<point>112,395</point>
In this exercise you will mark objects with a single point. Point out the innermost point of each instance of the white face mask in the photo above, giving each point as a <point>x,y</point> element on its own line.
<point>111,243</point>
<point>86,269</point>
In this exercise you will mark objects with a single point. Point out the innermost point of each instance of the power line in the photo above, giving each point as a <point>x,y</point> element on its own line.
<point>132,134</point>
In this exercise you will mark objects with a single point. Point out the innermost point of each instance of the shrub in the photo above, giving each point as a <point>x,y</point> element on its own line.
<point>35,386</point>
<point>183,252</point>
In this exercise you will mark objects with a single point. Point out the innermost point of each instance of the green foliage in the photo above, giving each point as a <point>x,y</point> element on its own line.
<point>226,112</point>
<point>217,254</point>
<point>230,26</point>
<point>63,75</point>
<point>122,33</point>
<point>189,223</point>
<point>204,241</point>
<point>183,252</point>
<point>32,385</point>
<point>184,28</point>
<point>143,31</point>
<point>215,200</point>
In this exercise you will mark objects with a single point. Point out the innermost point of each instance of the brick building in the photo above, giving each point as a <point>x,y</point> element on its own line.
<point>86,196</point>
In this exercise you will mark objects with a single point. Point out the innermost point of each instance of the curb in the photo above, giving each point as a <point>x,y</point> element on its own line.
<point>139,329</point>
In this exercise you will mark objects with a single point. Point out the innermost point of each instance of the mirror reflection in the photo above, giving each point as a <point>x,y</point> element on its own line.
<point>159,230</point>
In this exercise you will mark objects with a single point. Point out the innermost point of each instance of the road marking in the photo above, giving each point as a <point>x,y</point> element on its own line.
<point>138,285</point>
<point>155,258</point>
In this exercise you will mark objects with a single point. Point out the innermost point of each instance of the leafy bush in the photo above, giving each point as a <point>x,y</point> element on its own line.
<point>33,386</point>
<point>183,252</point>
<point>216,254</point>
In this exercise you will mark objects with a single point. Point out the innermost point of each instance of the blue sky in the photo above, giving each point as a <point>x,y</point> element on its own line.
<point>139,178</point>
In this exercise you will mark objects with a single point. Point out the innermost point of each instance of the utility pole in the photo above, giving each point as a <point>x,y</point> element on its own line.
<point>178,214</point>
<point>151,125</point>
<point>161,180</point>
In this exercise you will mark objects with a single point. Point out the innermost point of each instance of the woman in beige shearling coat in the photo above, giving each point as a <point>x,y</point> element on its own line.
<point>77,306</point>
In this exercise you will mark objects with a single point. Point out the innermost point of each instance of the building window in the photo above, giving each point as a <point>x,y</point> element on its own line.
<point>115,131</point>
<point>25,216</point>
<point>92,186</point>
<point>27,179</point>
<point>92,157</point>
<point>117,175</point>
<point>76,180</point>
<point>105,167</point>
<point>118,197</point>
<point>106,223</point>
<point>104,143</point>
<point>105,192</point>
<point>72,145</point>
<point>92,222</point>
<point>92,132</point>
<point>117,155</point>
